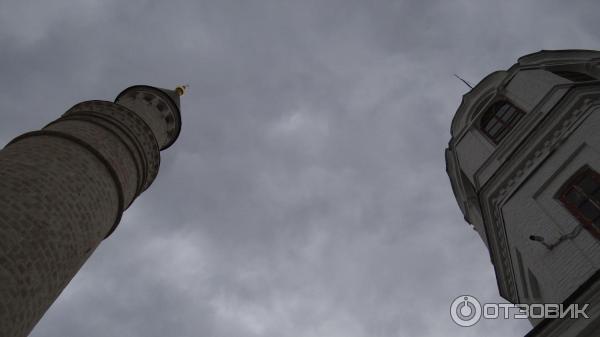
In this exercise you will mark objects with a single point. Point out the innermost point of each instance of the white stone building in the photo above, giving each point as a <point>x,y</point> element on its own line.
<point>524,163</point>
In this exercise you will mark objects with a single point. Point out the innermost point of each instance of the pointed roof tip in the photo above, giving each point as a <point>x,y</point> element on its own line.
<point>181,89</point>
<point>173,95</point>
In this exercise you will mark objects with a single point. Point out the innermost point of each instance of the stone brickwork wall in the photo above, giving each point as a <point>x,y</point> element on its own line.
<point>62,191</point>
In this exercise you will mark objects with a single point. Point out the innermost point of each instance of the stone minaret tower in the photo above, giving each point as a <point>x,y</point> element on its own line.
<point>524,164</point>
<point>64,188</point>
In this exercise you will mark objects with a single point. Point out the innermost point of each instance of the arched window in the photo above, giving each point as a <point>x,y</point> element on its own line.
<point>499,119</point>
<point>581,196</point>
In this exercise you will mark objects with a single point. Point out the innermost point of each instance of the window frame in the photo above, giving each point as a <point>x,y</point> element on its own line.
<point>574,210</point>
<point>508,125</point>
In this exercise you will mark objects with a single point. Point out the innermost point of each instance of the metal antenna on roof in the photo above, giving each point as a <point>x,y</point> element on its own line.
<point>465,82</point>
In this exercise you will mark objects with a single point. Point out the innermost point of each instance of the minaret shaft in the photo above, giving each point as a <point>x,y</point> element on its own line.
<point>63,189</point>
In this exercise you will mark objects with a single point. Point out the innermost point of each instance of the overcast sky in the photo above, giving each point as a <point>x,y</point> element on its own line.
<point>307,193</point>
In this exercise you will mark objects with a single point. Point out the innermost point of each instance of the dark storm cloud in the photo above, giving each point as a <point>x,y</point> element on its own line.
<point>306,195</point>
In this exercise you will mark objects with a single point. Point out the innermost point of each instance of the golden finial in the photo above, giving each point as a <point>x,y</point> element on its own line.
<point>181,89</point>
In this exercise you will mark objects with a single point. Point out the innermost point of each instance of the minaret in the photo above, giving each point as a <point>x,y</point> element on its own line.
<point>64,188</point>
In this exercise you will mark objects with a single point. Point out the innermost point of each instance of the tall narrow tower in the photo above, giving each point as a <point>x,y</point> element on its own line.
<point>524,163</point>
<point>64,188</point>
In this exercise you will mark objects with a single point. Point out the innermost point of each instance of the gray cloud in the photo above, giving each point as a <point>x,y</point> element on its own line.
<point>307,194</point>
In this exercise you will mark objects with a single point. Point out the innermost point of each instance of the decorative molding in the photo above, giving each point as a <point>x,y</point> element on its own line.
<point>521,164</point>
<point>518,134</point>
<point>132,122</point>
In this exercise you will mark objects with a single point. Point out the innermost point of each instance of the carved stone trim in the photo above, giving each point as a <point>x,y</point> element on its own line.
<point>526,159</point>
<point>134,123</point>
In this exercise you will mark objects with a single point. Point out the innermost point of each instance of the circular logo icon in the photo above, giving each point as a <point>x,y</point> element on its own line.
<point>465,310</point>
